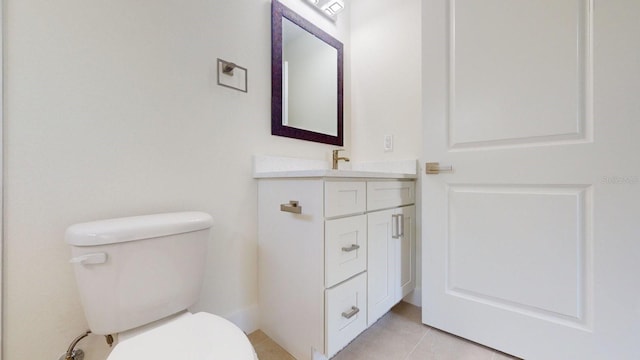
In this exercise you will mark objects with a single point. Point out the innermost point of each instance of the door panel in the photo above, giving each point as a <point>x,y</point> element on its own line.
<point>530,245</point>
<point>514,74</point>
<point>505,243</point>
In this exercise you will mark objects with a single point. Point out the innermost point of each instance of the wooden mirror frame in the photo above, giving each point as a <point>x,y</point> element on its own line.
<point>278,12</point>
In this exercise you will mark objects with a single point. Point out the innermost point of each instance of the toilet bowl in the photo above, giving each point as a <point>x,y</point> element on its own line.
<point>138,275</point>
<point>200,336</point>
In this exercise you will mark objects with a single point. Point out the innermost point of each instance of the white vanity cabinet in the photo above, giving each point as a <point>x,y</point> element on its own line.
<point>334,255</point>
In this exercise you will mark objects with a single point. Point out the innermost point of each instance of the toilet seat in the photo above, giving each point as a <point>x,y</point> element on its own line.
<point>200,336</point>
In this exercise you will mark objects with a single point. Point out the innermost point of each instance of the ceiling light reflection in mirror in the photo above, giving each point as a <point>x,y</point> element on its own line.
<point>329,7</point>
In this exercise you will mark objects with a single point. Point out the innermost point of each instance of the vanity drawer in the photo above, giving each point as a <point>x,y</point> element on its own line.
<point>387,194</point>
<point>345,248</point>
<point>344,198</point>
<point>346,313</point>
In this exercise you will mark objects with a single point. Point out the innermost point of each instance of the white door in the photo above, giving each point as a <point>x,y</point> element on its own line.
<point>532,244</point>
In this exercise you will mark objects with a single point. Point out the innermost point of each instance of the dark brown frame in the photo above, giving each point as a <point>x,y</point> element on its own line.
<point>279,11</point>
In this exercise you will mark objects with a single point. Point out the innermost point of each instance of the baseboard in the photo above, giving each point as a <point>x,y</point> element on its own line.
<point>414,297</point>
<point>246,319</point>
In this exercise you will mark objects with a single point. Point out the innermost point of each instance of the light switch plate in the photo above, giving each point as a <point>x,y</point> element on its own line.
<point>388,143</point>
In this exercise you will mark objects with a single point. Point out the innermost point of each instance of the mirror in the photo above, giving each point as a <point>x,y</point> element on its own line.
<point>306,79</point>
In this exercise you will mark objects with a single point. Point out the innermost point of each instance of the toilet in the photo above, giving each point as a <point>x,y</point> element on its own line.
<point>138,275</point>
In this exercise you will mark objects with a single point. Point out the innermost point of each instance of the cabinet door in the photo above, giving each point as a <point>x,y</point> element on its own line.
<point>381,267</point>
<point>406,252</point>
<point>391,258</point>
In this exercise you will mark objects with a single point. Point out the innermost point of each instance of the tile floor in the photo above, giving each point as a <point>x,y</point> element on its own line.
<point>397,335</point>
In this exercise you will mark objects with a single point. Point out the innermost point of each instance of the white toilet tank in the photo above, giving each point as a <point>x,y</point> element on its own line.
<point>136,270</point>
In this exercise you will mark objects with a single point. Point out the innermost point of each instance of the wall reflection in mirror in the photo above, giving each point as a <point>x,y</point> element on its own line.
<point>306,79</point>
<point>309,81</point>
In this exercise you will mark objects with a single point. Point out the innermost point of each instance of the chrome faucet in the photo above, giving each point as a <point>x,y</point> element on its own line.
<point>336,158</point>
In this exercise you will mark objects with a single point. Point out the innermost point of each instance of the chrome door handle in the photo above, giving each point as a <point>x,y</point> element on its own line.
<point>350,314</point>
<point>351,248</point>
<point>434,168</point>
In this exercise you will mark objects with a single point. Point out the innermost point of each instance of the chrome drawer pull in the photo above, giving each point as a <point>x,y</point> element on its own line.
<point>291,207</point>
<point>352,313</point>
<point>395,227</point>
<point>397,224</point>
<point>351,248</point>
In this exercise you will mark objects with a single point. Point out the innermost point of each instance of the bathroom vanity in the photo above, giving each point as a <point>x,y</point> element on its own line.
<point>336,252</point>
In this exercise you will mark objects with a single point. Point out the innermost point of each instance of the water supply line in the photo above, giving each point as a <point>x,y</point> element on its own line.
<point>73,354</point>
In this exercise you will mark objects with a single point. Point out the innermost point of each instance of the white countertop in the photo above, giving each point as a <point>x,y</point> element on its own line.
<point>272,167</point>
<point>328,173</point>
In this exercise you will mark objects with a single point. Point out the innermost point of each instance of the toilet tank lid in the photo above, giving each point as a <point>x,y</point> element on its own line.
<point>125,229</point>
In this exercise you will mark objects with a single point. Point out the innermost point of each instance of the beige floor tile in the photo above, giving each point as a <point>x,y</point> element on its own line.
<point>266,348</point>
<point>398,335</point>
<point>393,336</point>
<point>384,345</point>
<point>438,345</point>
<point>257,337</point>
<point>408,311</point>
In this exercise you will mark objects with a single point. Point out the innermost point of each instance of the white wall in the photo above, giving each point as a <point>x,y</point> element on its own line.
<point>386,73</point>
<point>112,110</point>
